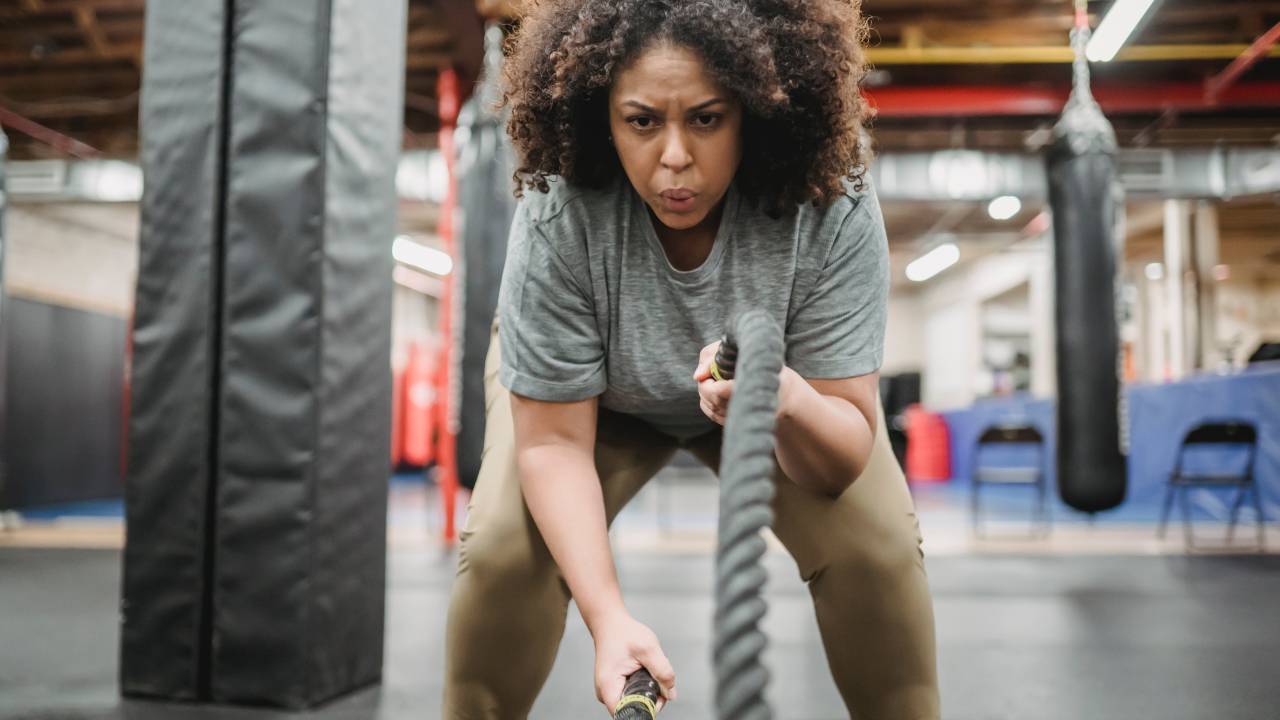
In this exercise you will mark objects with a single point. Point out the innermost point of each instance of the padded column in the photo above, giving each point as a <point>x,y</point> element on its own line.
<point>165,608</point>
<point>4,199</point>
<point>256,563</point>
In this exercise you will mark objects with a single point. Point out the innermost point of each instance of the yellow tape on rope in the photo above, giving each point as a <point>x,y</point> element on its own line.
<point>646,702</point>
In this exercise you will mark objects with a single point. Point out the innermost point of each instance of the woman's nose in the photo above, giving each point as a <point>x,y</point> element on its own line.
<point>675,151</point>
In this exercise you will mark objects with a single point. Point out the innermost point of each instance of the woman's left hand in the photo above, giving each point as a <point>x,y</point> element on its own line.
<point>714,395</point>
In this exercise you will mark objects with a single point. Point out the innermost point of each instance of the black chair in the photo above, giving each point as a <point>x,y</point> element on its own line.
<point>1028,475</point>
<point>1234,433</point>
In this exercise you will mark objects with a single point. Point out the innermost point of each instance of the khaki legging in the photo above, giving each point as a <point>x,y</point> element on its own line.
<point>859,554</point>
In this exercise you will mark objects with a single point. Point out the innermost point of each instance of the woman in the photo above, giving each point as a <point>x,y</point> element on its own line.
<point>680,160</point>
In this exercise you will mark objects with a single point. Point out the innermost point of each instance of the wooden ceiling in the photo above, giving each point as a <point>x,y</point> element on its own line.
<point>73,67</point>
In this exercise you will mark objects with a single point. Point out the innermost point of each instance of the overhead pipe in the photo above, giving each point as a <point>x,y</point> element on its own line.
<point>972,176</point>
<point>935,176</point>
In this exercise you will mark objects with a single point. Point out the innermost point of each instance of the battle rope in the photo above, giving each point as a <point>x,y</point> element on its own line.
<point>753,350</point>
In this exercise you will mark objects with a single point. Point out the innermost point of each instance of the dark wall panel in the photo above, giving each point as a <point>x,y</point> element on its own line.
<point>65,374</point>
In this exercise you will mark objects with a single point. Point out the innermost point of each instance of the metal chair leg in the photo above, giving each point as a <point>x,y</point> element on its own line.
<point>1188,535</point>
<point>1164,513</point>
<point>1262,520</point>
<point>1235,514</point>
<point>1043,509</point>
<point>974,508</point>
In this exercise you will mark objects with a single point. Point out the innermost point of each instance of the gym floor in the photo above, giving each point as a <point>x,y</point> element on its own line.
<point>1096,621</point>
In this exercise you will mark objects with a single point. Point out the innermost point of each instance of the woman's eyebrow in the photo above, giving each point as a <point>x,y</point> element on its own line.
<point>700,106</point>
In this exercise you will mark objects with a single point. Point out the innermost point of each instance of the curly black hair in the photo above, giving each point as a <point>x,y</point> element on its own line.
<point>795,66</point>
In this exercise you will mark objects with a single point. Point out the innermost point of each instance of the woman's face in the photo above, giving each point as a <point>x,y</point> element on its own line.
<point>677,133</point>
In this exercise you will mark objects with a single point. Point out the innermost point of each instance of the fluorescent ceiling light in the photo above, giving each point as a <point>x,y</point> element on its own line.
<point>1114,30</point>
<point>1154,271</point>
<point>933,262</point>
<point>1004,207</point>
<point>407,251</point>
<point>418,282</point>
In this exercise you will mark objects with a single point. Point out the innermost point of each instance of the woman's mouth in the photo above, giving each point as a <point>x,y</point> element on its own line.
<point>679,200</point>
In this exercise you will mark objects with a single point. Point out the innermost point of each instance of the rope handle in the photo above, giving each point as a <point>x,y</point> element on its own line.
<point>722,367</point>
<point>639,698</point>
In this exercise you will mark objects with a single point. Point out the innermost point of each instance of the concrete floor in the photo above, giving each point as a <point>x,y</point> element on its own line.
<point>1020,636</point>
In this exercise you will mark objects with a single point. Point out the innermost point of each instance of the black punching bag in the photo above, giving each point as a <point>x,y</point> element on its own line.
<point>484,165</point>
<point>1082,195</point>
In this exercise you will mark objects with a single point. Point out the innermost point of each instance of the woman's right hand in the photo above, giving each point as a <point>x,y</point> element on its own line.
<point>623,646</point>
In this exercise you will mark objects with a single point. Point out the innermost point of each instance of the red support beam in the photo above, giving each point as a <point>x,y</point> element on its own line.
<point>449,371</point>
<point>979,100</point>
<point>1218,84</point>
<point>48,136</point>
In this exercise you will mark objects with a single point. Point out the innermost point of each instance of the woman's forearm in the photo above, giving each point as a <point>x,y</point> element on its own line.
<point>822,442</point>
<point>562,489</point>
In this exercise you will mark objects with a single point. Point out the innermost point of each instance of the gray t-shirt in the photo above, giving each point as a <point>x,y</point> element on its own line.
<point>590,305</point>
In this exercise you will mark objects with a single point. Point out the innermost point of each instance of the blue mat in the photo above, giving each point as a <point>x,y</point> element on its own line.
<point>1160,415</point>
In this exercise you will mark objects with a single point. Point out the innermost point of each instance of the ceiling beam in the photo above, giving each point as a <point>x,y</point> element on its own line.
<point>428,60</point>
<point>988,100</point>
<point>81,109</point>
<point>87,21</point>
<point>51,86</point>
<point>61,58</point>
<point>429,36</point>
<point>53,6</point>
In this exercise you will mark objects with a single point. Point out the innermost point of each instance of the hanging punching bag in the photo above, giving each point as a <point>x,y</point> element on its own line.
<point>1082,196</point>
<point>485,164</point>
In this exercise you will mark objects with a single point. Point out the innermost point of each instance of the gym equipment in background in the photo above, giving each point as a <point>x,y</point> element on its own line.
<point>1025,443</point>
<point>487,205</point>
<point>4,349</point>
<point>1083,192</point>
<point>1216,472</point>
<point>256,500</point>
<point>752,351</point>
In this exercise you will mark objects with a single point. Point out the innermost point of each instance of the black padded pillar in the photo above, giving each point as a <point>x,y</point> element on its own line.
<point>258,464</point>
<point>1082,196</point>
<point>4,200</point>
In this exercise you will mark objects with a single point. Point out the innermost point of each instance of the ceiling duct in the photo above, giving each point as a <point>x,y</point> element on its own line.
<point>940,176</point>
<point>1192,173</point>
<point>36,177</point>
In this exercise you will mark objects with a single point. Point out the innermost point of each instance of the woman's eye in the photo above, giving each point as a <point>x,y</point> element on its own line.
<point>641,122</point>
<point>706,120</point>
